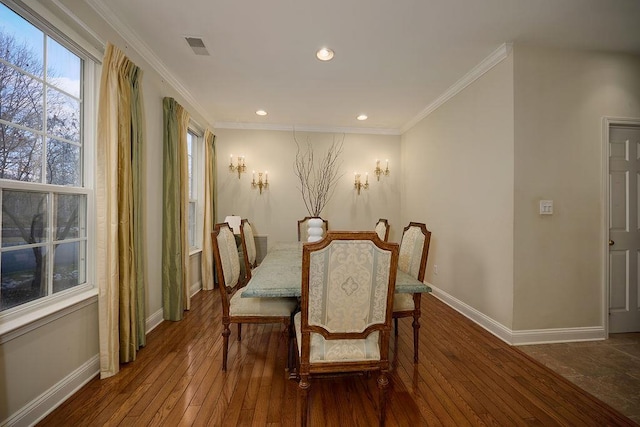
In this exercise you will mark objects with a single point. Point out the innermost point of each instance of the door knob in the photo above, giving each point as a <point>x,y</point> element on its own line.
<point>611,243</point>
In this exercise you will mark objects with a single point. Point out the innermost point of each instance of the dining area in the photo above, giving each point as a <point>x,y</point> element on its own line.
<point>334,296</point>
<point>464,375</point>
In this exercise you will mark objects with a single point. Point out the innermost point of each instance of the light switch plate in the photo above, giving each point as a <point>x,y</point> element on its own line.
<point>546,207</point>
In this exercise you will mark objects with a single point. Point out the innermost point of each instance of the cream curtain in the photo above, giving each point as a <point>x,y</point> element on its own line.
<point>206,263</point>
<point>119,239</point>
<point>175,244</point>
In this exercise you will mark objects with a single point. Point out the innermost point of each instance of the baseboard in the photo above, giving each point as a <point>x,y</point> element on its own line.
<point>548,336</point>
<point>154,320</point>
<point>41,406</point>
<point>521,337</point>
<point>476,316</point>
<point>158,317</point>
<point>195,288</point>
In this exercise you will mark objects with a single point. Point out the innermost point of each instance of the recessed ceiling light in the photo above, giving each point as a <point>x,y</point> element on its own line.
<point>324,54</point>
<point>261,113</point>
<point>362,117</point>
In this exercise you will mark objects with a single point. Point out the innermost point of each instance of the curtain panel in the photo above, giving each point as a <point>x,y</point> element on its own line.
<point>120,274</point>
<point>175,245</point>
<point>139,169</point>
<point>206,260</point>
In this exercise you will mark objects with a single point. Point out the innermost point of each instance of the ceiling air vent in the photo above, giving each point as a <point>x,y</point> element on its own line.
<point>197,45</point>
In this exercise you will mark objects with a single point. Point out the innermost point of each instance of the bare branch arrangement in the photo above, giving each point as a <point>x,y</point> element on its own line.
<point>317,181</point>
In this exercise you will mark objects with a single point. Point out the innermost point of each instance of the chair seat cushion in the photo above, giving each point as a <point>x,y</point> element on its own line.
<point>276,307</point>
<point>322,350</point>
<point>403,302</point>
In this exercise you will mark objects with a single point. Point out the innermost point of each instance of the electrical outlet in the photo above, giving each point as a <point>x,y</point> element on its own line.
<point>435,269</point>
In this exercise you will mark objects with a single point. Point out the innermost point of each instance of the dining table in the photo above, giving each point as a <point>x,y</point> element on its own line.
<point>280,275</point>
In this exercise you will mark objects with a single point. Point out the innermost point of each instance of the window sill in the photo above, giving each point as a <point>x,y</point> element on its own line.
<point>194,251</point>
<point>33,319</point>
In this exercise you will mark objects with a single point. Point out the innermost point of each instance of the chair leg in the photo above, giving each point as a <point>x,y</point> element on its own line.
<point>416,334</point>
<point>303,396</point>
<point>225,346</point>
<point>287,334</point>
<point>383,382</point>
<point>239,331</point>
<point>395,322</point>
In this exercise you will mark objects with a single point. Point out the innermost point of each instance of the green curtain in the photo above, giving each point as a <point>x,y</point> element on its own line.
<point>130,239</point>
<point>175,248</point>
<point>206,260</point>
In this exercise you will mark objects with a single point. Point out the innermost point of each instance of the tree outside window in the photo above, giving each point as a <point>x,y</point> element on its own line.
<point>43,239</point>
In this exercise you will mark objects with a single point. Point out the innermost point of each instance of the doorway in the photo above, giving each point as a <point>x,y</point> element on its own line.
<point>623,228</point>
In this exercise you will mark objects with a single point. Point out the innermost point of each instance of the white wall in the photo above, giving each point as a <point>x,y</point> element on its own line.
<point>561,98</point>
<point>457,178</point>
<point>275,213</point>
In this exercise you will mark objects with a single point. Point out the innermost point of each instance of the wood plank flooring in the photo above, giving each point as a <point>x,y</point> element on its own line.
<point>465,377</point>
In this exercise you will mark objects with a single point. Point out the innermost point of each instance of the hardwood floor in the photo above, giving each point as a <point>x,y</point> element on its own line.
<point>465,376</point>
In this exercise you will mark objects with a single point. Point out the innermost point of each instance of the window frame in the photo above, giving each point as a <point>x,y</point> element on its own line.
<point>197,162</point>
<point>28,316</point>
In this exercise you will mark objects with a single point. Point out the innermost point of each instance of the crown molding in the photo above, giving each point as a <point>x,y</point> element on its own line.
<point>303,128</point>
<point>96,40</point>
<point>476,72</point>
<point>132,38</point>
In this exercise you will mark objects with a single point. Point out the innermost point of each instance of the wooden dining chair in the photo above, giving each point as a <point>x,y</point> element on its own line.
<point>248,248</point>
<point>382,229</point>
<point>303,235</point>
<point>348,283</point>
<point>414,250</point>
<point>236,309</point>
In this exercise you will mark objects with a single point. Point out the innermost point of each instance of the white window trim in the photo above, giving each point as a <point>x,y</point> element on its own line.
<point>196,130</point>
<point>29,316</point>
<point>26,319</point>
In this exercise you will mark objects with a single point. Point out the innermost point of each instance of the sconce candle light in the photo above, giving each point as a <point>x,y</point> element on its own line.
<point>378,171</point>
<point>260,183</point>
<point>358,184</point>
<point>240,167</point>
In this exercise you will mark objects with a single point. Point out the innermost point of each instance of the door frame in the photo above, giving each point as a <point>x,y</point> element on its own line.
<point>607,122</point>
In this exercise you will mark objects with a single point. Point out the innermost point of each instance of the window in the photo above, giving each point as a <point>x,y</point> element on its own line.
<point>194,226</point>
<point>44,192</point>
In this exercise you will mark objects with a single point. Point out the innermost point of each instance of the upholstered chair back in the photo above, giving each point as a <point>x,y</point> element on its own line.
<point>382,229</point>
<point>249,245</point>
<point>227,262</point>
<point>414,249</point>
<point>348,286</point>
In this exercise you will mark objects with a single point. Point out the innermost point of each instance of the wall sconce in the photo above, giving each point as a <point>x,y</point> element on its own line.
<point>260,183</point>
<point>379,170</point>
<point>358,184</point>
<point>240,167</point>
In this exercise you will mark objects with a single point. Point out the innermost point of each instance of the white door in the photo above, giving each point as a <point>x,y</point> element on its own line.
<point>624,228</point>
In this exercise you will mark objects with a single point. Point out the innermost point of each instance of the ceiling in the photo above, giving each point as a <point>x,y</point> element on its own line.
<point>393,59</point>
